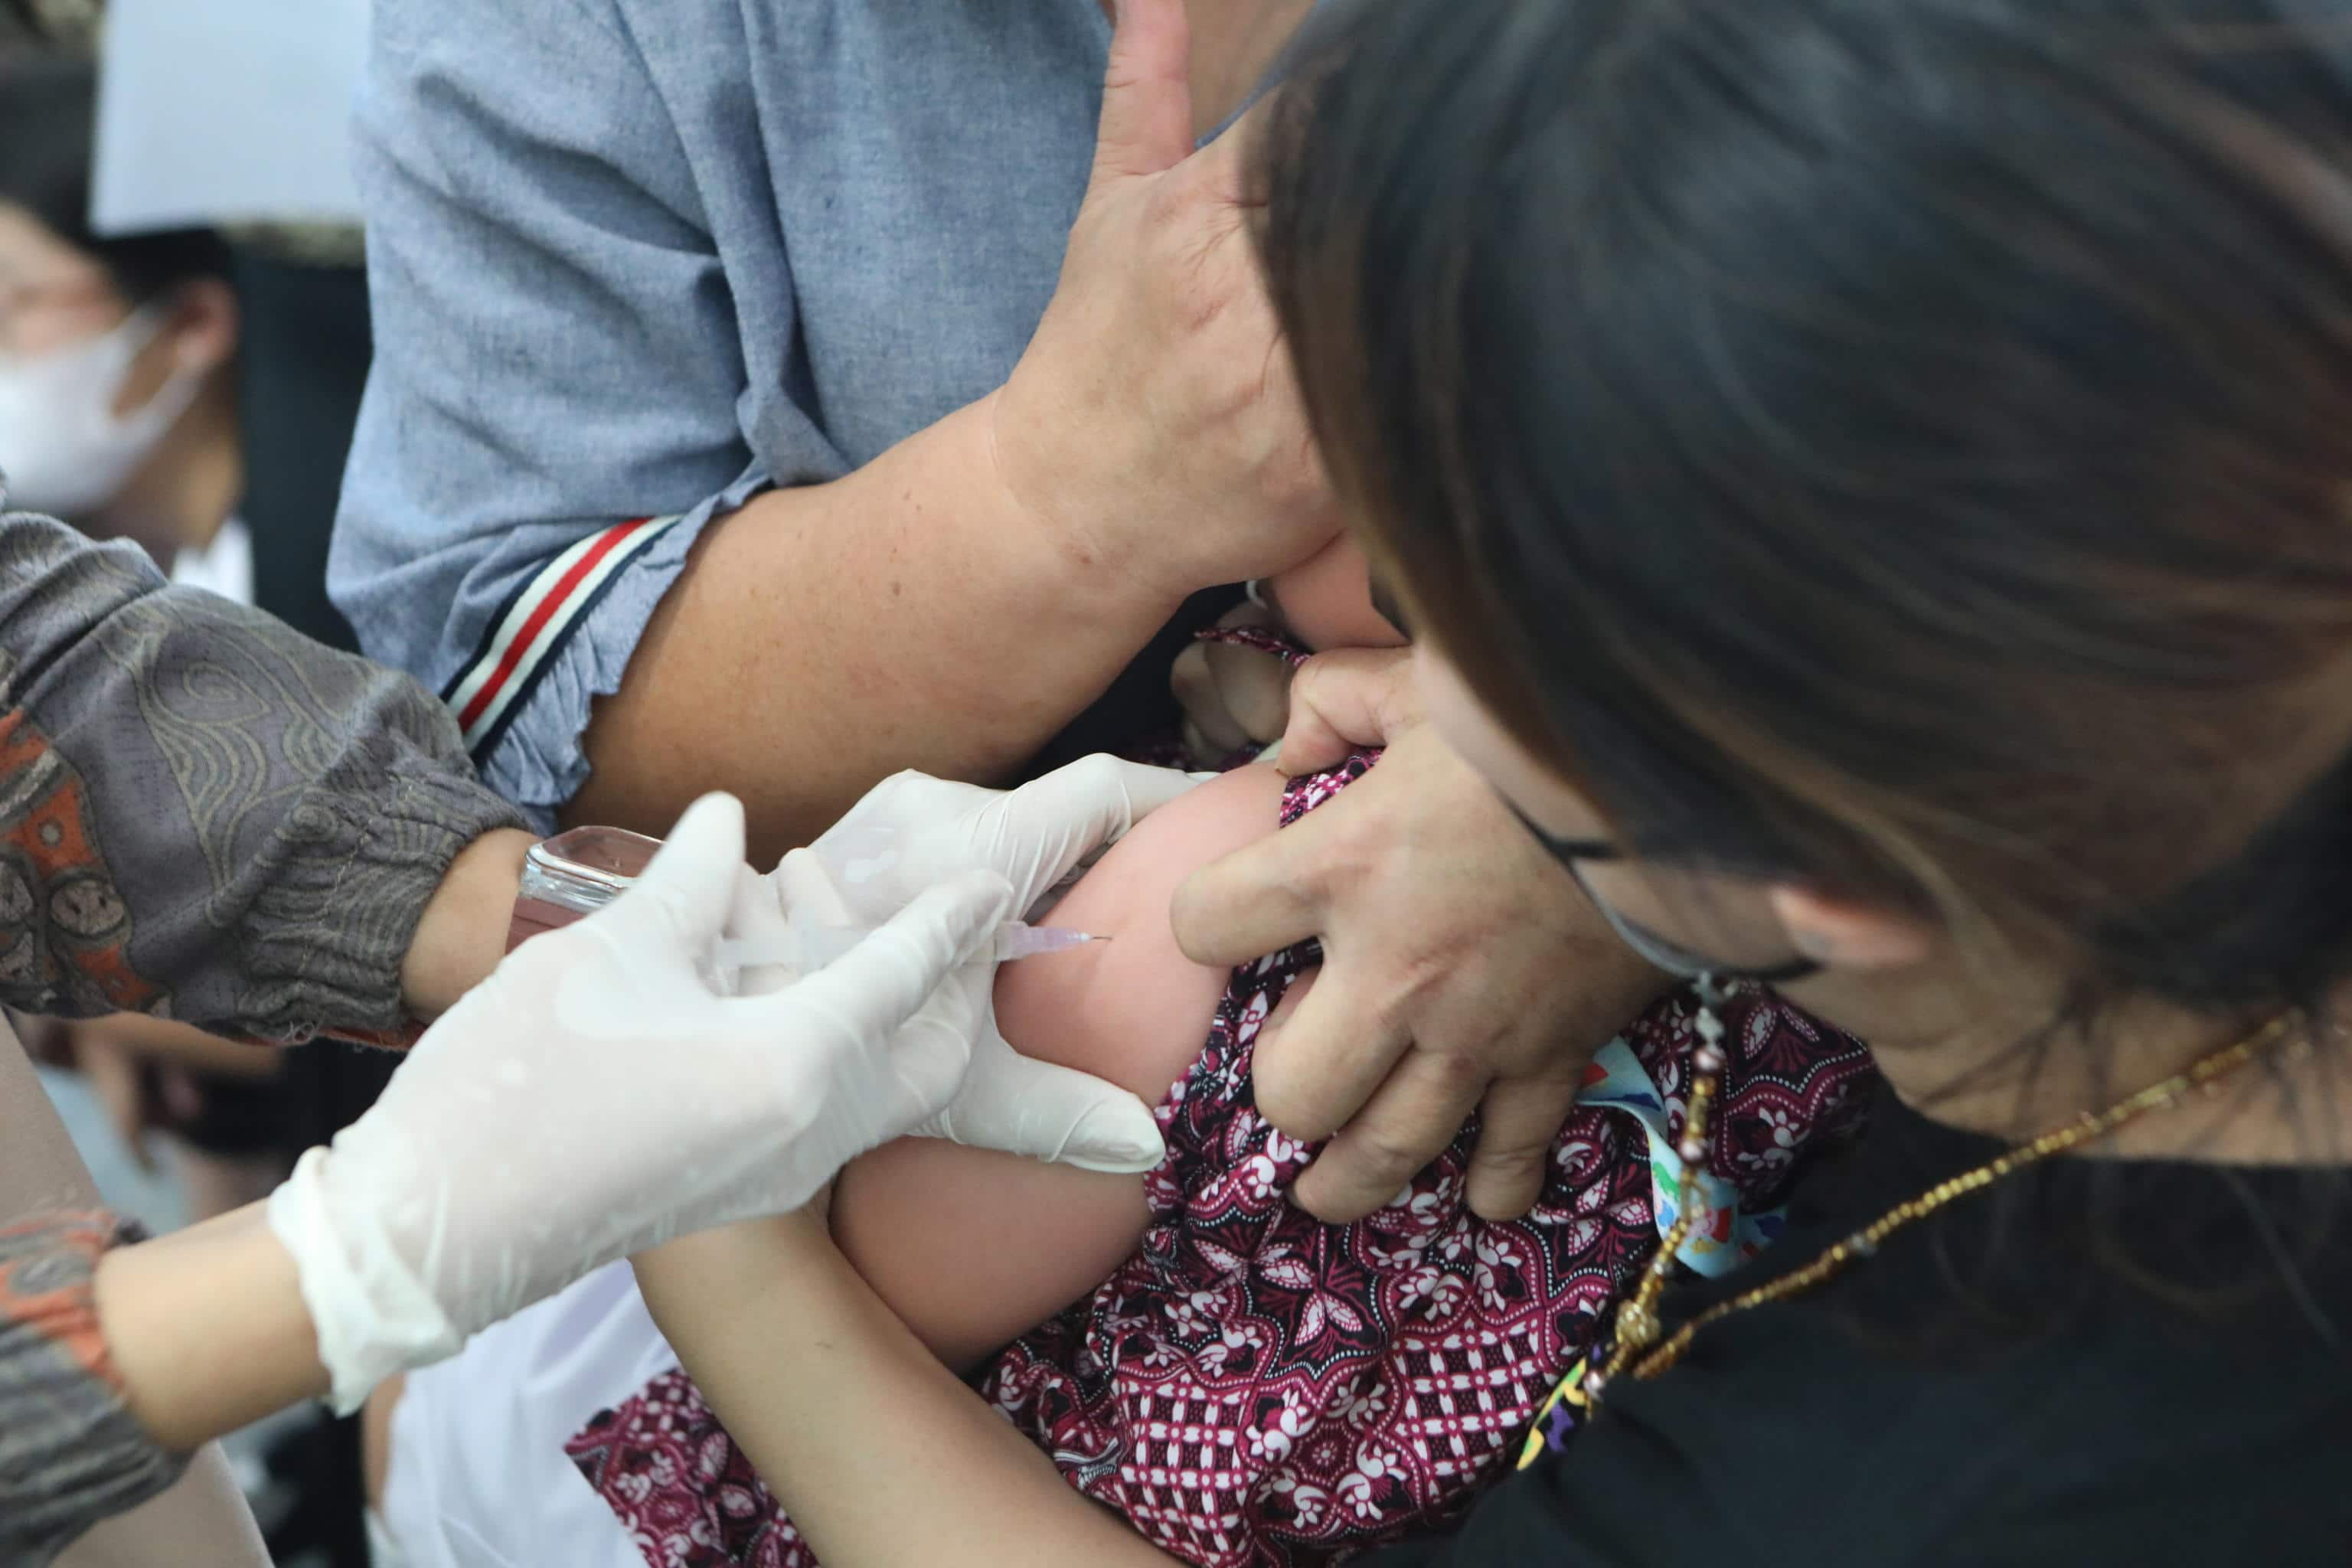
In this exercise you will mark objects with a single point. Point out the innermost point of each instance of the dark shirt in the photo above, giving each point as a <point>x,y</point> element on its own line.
<point>2098,1362</point>
<point>303,365</point>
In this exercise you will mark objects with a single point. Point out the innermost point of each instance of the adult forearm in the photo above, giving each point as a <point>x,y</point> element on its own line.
<point>463,932</point>
<point>230,823</point>
<point>910,615</point>
<point>459,939</point>
<point>827,1406</point>
<point>208,1329</point>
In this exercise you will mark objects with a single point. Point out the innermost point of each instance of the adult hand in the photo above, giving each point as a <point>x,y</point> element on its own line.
<point>1232,696</point>
<point>1462,969</point>
<point>142,1071</point>
<point>130,1091</point>
<point>597,1096</point>
<point>912,831</point>
<point>1154,423</point>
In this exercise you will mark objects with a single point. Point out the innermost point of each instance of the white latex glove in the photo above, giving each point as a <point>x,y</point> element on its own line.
<point>595,1097</point>
<point>913,830</point>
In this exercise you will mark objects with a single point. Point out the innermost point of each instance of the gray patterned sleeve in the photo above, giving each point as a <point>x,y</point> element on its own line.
<point>70,1452</point>
<point>204,815</point>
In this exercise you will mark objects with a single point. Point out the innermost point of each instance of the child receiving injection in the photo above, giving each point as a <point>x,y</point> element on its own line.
<point>1243,1383</point>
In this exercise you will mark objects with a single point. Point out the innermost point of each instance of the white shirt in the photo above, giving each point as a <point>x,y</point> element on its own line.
<point>223,567</point>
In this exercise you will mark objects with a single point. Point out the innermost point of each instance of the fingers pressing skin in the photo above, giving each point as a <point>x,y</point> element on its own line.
<point>1461,969</point>
<point>1372,1158</point>
<point>1518,1121</point>
<point>1260,899</point>
<point>1345,701</point>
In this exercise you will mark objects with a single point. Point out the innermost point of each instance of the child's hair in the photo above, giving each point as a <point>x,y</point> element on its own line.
<point>1904,447</point>
<point>48,108</point>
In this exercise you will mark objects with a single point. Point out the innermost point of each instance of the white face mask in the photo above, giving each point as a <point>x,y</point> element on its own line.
<point>63,449</point>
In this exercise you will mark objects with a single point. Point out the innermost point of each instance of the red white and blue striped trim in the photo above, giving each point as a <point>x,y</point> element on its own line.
<point>532,627</point>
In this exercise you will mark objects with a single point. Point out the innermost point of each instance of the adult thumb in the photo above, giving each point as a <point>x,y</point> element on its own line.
<point>1052,1113</point>
<point>1051,826</point>
<point>1347,700</point>
<point>692,881</point>
<point>1147,108</point>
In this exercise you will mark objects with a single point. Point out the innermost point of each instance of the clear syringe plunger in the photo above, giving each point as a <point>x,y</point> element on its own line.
<point>813,947</point>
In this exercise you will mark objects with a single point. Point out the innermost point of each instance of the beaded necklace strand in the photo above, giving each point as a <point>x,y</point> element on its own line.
<point>1638,1353</point>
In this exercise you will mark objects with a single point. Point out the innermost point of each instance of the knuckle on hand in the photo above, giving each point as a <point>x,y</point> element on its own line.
<point>1513,1162</point>
<point>1311,684</point>
<point>1349,855</point>
<point>1292,1108</point>
<point>1403,1005</point>
<point>1379,1160</point>
<point>1097,774</point>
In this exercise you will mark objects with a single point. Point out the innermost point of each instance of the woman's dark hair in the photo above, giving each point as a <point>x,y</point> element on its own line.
<point>1905,447</point>
<point>48,112</point>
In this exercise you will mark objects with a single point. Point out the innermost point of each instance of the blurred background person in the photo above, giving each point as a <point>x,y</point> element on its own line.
<point>119,412</point>
<point>194,390</point>
<point>118,396</point>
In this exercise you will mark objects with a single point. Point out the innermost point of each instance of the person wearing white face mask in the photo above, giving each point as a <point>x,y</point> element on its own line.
<point>78,427</point>
<point>118,402</point>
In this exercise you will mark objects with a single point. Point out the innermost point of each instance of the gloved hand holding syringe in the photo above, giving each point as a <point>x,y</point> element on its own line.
<point>503,1163</point>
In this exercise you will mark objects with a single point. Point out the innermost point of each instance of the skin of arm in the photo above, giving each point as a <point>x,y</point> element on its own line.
<point>972,1247</point>
<point>208,1329</point>
<point>786,620</point>
<point>463,932</point>
<point>140,1038</point>
<point>890,1411</point>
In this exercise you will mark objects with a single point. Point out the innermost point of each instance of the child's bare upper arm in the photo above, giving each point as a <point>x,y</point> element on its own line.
<point>972,1247</point>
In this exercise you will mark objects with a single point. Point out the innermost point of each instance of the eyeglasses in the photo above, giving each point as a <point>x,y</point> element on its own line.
<point>1655,950</point>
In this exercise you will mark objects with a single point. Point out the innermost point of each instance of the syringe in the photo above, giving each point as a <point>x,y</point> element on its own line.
<point>813,947</point>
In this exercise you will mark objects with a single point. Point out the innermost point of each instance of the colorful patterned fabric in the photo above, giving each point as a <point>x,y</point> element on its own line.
<point>204,815</point>
<point>1260,639</point>
<point>65,930</point>
<point>1256,1387</point>
<point>69,1452</point>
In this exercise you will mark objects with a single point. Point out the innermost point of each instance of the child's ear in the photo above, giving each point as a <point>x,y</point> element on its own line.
<point>1843,933</point>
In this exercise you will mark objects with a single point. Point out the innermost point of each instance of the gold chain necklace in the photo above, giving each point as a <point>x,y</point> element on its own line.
<point>1638,1325</point>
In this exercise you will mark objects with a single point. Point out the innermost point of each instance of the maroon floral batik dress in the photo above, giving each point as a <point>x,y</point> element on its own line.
<point>1255,1387</point>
